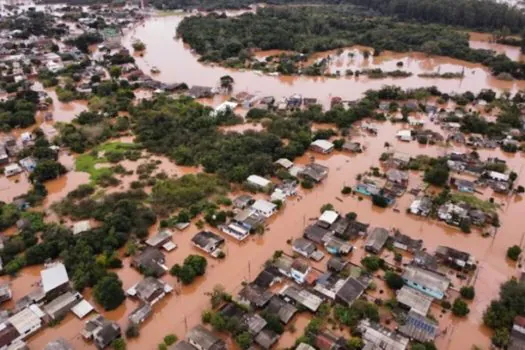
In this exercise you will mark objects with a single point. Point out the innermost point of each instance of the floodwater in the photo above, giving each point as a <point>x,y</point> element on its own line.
<point>158,33</point>
<point>244,260</point>
<point>62,112</point>
<point>486,41</point>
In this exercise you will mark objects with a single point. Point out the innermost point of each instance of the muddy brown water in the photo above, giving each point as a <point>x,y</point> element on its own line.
<point>183,309</point>
<point>178,63</point>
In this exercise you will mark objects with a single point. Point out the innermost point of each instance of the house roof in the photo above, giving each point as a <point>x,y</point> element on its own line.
<point>414,299</point>
<point>82,309</point>
<point>266,277</point>
<point>329,216</point>
<point>203,239</point>
<point>350,290</point>
<point>302,297</point>
<point>428,279</point>
<point>281,308</point>
<point>204,338</point>
<point>323,144</point>
<point>382,337</point>
<point>147,287</point>
<point>263,205</point>
<point>258,180</point>
<point>181,345</point>
<point>160,238</point>
<point>58,344</point>
<point>419,327</point>
<point>81,226</point>
<point>336,264</point>
<point>304,245</point>
<point>377,238</point>
<point>8,333</point>
<point>255,295</point>
<point>254,322</point>
<point>315,233</point>
<point>140,313</point>
<point>54,277</point>
<point>266,338</point>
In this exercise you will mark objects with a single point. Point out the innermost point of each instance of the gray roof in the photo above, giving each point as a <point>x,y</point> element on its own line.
<point>350,291</point>
<point>266,338</point>
<point>58,344</point>
<point>414,299</point>
<point>147,287</point>
<point>205,339</point>
<point>62,304</point>
<point>377,239</point>
<point>304,245</point>
<point>181,345</point>
<point>255,295</point>
<point>254,322</point>
<point>281,308</point>
<point>382,337</point>
<point>203,239</point>
<point>302,297</point>
<point>160,238</point>
<point>54,277</point>
<point>425,278</point>
<point>419,327</point>
<point>140,314</point>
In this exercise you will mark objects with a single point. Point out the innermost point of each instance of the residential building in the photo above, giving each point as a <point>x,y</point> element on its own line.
<point>266,339</point>
<point>150,260</point>
<point>376,240</point>
<point>254,295</point>
<point>243,201</point>
<point>203,339</point>
<point>277,306</point>
<point>101,331</point>
<point>265,208</point>
<point>328,217</point>
<point>150,290</point>
<point>299,269</point>
<point>322,146</point>
<point>207,241</point>
<point>259,182</point>
<point>455,258</point>
<point>404,242</point>
<point>413,300</point>
<point>419,328</point>
<point>301,297</point>
<point>81,226</point>
<point>160,239</point>
<point>12,169</point>
<point>27,321</point>
<point>517,334</point>
<point>421,206</point>
<point>59,344</point>
<point>428,282</point>
<point>326,340</point>
<point>351,290</point>
<point>314,171</point>
<point>140,314</point>
<point>304,247</point>
<point>5,292</point>
<point>60,306</point>
<point>55,280</point>
<point>381,337</point>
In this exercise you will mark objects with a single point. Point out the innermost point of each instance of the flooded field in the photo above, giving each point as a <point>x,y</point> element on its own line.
<point>162,46</point>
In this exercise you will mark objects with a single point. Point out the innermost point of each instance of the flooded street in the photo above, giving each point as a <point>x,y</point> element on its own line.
<point>177,63</point>
<point>243,261</point>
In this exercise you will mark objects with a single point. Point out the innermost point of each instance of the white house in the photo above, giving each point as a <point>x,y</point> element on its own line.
<point>404,135</point>
<point>258,181</point>
<point>12,169</point>
<point>328,217</point>
<point>496,176</point>
<point>224,107</point>
<point>264,207</point>
<point>322,146</point>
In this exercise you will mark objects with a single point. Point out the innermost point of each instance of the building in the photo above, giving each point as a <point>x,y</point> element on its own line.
<point>265,208</point>
<point>150,290</point>
<point>5,293</point>
<point>59,344</point>
<point>60,306</point>
<point>381,337</point>
<point>243,201</point>
<point>404,242</point>
<point>55,280</point>
<point>27,321</point>
<point>322,146</point>
<point>150,260</point>
<point>517,334</point>
<point>419,327</point>
<point>413,300</point>
<point>181,345</point>
<point>314,171</point>
<point>266,339</point>
<point>285,311</point>
<point>351,290</point>
<point>326,340</point>
<point>12,169</point>
<point>304,247</point>
<point>299,269</point>
<point>203,339</point>
<point>328,217</point>
<point>160,239</point>
<point>421,206</point>
<point>430,283</point>
<point>207,241</point>
<point>301,297</point>
<point>376,240</point>
<point>140,314</point>
<point>81,226</point>
<point>254,295</point>
<point>455,258</point>
<point>101,331</point>
<point>259,182</point>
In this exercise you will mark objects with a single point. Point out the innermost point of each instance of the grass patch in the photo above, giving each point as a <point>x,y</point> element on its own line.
<point>87,162</point>
<point>474,201</point>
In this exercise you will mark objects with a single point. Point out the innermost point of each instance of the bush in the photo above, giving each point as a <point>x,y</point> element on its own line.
<point>325,207</point>
<point>513,253</point>
<point>307,184</point>
<point>132,331</point>
<point>445,304</point>
<point>119,344</point>
<point>346,190</point>
<point>108,292</point>
<point>468,292</point>
<point>460,308</point>
<point>393,280</point>
<point>372,263</point>
<point>193,266</point>
<point>170,339</point>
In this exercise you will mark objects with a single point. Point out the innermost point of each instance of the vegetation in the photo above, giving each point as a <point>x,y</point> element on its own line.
<point>372,263</point>
<point>360,309</point>
<point>18,112</point>
<point>314,29</point>
<point>460,308</point>
<point>513,253</point>
<point>437,174</point>
<point>193,266</point>
<point>108,292</point>
<point>468,292</point>
<point>393,280</point>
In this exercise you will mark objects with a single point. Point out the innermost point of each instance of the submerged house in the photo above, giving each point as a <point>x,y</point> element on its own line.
<point>430,283</point>
<point>150,290</point>
<point>419,327</point>
<point>322,146</point>
<point>207,241</point>
<point>377,238</point>
<point>203,339</point>
<point>150,260</point>
<point>375,336</point>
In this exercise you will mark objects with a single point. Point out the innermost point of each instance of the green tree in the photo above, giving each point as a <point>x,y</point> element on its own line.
<point>468,292</point>
<point>119,344</point>
<point>372,263</point>
<point>244,340</point>
<point>460,308</point>
<point>170,339</point>
<point>393,280</point>
<point>513,253</point>
<point>108,292</point>
<point>47,169</point>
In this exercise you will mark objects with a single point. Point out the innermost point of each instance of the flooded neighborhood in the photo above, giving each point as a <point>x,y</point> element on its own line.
<point>169,185</point>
